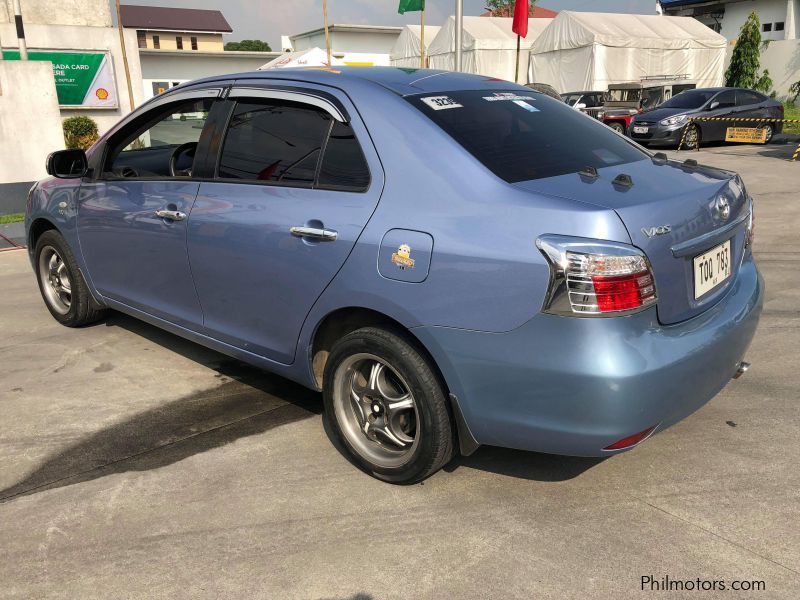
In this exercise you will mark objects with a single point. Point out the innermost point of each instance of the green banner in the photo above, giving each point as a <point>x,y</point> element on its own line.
<point>83,79</point>
<point>410,6</point>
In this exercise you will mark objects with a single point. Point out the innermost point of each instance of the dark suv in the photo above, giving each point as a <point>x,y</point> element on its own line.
<point>665,124</point>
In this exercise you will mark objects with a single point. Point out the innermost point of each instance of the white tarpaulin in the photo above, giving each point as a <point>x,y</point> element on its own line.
<point>406,50</point>
<point>588,51</point>
<point>313,57</point>
<point>489,46</point>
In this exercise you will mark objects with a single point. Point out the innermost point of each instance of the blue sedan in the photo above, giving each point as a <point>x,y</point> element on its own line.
<point>425,248</point>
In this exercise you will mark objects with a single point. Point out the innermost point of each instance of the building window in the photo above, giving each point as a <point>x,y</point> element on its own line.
<point>141,38</point>
<point>156,42</point>
<point>194,43</point>
<point>766,27</point>
<point>179,42</point>
<point>779,26</point>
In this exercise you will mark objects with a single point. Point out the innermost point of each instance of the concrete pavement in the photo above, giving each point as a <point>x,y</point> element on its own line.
<point>134,464</point>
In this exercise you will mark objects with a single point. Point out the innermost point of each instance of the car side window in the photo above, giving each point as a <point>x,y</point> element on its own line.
<point>274,141</point>
<point>726,99</point>
<point>746,98</point>
<point>344,167</point>
<point>161,143</point>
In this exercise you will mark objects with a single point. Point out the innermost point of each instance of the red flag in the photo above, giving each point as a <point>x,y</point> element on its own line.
<point>520,26</point>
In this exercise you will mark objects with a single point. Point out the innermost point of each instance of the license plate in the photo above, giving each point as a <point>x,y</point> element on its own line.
<point>640,129</point>
<point>711,269</point>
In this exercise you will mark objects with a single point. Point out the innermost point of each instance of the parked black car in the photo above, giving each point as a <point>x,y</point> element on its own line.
<point>544,88</point>
<point>665,123</point>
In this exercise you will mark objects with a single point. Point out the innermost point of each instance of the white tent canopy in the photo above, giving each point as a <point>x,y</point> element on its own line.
<point>313,57</point>
<point>406,51</point>
<point>588,51</point>
<point>489,46</point>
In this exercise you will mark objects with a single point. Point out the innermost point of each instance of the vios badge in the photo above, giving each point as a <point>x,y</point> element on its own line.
<point>654,231</point>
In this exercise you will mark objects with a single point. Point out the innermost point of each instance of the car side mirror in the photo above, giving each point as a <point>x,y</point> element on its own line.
<point>713,105</point>
<point>579,105</point>
<point>67,164</point>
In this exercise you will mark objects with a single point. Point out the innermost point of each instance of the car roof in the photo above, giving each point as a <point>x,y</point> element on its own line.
<point>582,92</point>
<point>401,81</point>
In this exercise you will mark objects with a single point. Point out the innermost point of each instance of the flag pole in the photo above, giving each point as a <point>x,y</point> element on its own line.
<point>422,36</point>
<point>459,28</point>
<point>124,56</point>
<point>327,33</point>
<point>516,69</point>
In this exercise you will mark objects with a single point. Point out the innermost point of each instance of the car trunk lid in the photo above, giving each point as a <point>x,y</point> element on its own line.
<point>673,212</point>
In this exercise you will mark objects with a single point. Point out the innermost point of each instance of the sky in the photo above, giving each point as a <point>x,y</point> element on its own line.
<point>269,19</point>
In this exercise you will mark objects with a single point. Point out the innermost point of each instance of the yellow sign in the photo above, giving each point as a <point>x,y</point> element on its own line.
<point>750,135</point>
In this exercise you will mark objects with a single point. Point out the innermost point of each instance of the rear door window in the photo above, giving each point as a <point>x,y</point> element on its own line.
<point>748,98</point>
<point>274,141</point>
<point>524,135</point>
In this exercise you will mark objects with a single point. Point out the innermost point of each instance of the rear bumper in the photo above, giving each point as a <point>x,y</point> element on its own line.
<point>574,386</point>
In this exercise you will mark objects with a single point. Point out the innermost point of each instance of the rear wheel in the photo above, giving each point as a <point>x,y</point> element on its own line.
<point>386,406</point>
<point>62,286</point>
<point>770,132</point>
<point>691,138</point>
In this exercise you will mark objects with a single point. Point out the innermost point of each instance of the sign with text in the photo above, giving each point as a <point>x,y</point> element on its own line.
<point>749,135</point>
<point>83,79</point>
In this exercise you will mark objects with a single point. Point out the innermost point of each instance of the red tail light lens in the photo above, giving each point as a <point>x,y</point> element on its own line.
<point>632,440</point>
<point>594,278</point>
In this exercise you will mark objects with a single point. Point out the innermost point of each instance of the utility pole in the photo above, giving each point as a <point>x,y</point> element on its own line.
<point>459,30</point>
<point>124,55</point>
<point>23,47</point>
<point>327,33</point>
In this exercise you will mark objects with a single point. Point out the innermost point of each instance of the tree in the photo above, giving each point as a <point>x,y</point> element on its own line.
<point>249,46</point>
<point>746,58</point>
<point>504,8</point>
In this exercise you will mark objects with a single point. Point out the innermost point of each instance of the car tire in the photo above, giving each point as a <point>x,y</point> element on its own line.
<point>618,127</point>
<point>386,406</point>
<point>61,283</point>
<point>770,132</point>
<point>692,137</point>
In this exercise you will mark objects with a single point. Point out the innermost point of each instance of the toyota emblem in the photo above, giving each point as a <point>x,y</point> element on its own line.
<point>722,208</point>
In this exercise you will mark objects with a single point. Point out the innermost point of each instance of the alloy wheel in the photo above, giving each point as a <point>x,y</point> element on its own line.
<point>55,280</point>
<point>376,410</point>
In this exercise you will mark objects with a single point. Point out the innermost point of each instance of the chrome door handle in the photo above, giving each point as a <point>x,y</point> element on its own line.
<point>326,235</point>
<point>171,215</point>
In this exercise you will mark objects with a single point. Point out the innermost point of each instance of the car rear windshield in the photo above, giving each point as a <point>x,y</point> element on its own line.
<point>689,99</point>
<point>526,135</point>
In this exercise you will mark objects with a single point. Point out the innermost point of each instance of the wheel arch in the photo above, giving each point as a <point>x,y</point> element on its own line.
<point>37,228</point>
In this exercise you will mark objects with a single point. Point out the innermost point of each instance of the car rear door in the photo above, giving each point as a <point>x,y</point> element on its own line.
<point>132,217</point>
<point>725,109</point>
<point>295,181</point>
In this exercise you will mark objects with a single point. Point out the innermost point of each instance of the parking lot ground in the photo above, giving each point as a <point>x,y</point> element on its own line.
<point>134,464</point>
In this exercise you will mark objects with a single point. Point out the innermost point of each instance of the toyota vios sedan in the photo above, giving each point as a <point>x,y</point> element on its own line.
<point>419,246</point>
<point>669,122</point>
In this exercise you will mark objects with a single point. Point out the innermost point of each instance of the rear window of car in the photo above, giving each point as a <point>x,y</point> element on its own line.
<point>522,135</point>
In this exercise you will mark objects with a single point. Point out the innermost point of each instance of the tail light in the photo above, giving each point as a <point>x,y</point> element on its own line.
<point>632,440</point>
<point>780,109</point>
<point>595,278</point>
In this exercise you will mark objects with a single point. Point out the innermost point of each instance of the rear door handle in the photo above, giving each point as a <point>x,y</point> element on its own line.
<point>325,235</point>
<point>171,215</point>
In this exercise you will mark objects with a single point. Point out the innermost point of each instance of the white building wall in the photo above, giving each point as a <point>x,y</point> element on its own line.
<point>77,38</point>
<point>91,13</point>
<point>769,11</point>
<point>30,124</point>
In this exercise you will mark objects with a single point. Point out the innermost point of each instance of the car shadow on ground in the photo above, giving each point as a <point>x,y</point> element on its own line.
<point>247,402</point>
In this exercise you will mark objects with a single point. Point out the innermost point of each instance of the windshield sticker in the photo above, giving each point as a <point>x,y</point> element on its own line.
<point>441,102</point>
<point>526,106</point>
<point>498,96</point>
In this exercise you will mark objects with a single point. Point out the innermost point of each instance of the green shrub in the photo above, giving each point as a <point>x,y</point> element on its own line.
<point>80,132</point>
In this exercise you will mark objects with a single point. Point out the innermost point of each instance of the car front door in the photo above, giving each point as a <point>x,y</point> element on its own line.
<point>723,105</point>
<point>132,217</point>
<point>294,184</point>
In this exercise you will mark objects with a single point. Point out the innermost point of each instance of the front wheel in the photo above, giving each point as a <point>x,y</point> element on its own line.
<point>618,127</point>
<point>691,137</point>
<point>62,286</point>
<point>386,406</point>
